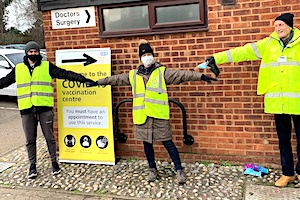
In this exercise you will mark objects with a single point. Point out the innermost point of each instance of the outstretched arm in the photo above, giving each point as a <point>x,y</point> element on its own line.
<point>56,72</point>
<point>120,79</point>
<point>180,76</point>
<point>9,79</point>
<point>250,51</point>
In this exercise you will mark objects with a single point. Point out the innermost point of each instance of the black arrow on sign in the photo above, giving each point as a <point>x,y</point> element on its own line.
<point>88,60</point>
<point>89,16</point>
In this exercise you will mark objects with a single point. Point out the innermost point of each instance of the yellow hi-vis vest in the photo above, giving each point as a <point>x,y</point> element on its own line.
<point>279,71</point>
<point>35,89</point>
<point>150,100</point>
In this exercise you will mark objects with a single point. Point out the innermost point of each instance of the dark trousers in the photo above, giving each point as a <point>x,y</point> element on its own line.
<point>30,122</point>
<point>172,150</point>
<point>284,132</point>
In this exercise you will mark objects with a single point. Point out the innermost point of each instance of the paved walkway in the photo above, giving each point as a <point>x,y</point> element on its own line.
<point>25,193</point>
<point>260,192</point>
<point>127,180</point>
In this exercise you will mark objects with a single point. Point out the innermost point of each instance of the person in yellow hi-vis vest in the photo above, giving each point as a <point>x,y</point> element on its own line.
<point>279,82</point>
<point>34,83</point>
<point>151,112</point>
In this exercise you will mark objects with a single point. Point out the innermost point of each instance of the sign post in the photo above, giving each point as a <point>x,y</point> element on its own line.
<point>85,127</point>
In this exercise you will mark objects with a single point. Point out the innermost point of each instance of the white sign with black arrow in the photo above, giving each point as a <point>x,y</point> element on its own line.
<point>73,17</point>
<point>84,57</point>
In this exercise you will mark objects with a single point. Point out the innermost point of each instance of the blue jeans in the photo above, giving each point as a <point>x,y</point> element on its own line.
<point>284,132</point>
<point>172,150</point>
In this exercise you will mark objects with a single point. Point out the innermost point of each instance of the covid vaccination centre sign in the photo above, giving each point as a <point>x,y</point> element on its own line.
<point>85,124</point>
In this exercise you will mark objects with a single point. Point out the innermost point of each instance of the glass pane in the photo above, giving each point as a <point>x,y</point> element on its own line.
<point>125,18</point>
<point>178,13</point>
<point>16,57</point>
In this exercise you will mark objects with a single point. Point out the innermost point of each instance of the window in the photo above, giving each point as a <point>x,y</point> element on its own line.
<point>3,63</point>
<point>125,18</point>
<point>153,17</point>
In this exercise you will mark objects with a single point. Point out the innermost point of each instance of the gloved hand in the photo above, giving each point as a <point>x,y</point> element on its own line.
<point>212,64</point>
<point>207,78</point>
<point>91,83</point>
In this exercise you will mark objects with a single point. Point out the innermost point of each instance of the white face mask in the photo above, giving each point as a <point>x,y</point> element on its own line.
<point>147,60</point>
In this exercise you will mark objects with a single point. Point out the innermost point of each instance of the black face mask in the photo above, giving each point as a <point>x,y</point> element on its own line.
<point>33,58</point>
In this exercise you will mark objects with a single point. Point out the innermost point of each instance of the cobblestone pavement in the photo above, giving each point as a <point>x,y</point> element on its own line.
<point>127,180</point>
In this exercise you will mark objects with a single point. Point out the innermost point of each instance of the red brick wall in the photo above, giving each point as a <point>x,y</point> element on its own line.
<point>225,118</point>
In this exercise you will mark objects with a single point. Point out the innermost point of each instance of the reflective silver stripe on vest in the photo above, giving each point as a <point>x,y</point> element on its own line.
<point>138,107</point>
<point>160,91</point>
<point>23,85</point>
<point>134,81</point>
<point>288,63</point>
<point>282,94</point>
<point>229,56</point>
<point>42,94</point>
<point>270,39</point>
<point>138,95</point>
<point>34,83</point>
<point>263,65</point>
<point>41,83</point>
<point>156,101</point>
<point>24,96</point>
<point>256,52</point>
<point>35,94</point>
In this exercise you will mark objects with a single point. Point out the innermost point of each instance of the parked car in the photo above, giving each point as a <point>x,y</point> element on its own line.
<point>2,47</point>
<point>15,46</point>
<point>8,60</point>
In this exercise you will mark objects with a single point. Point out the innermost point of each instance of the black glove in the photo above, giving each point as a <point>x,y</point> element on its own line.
<point>212,64</point>
<point>207,78</point>
<point>91,83</point>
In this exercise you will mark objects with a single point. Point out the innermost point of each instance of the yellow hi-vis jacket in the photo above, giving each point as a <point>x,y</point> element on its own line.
<point>150,100</point>
<point>35,89</point>
<point>279,73</point>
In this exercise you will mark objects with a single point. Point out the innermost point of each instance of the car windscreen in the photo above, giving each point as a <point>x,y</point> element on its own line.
<point>16,57</point>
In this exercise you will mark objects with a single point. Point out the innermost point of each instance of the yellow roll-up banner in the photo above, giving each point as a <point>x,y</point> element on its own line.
<point>85,127</point>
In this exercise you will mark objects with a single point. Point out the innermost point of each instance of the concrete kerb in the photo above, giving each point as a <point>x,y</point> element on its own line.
<point>13,192</point>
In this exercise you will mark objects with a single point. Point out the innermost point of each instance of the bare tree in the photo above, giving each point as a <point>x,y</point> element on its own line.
<point>20,14</point>
<point>22,22</point>
<point>3,4</point>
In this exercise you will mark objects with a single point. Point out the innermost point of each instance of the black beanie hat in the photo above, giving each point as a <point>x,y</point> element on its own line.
<point>31,45</point>
<point>145,48</point>
<point>287,18</point>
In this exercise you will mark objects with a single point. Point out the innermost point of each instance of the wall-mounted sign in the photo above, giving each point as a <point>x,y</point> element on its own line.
<point>73,17</point>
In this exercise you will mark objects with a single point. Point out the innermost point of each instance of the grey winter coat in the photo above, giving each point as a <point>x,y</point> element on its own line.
<point>153,129</point>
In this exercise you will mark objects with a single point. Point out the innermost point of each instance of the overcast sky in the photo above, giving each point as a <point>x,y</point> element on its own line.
<point>20,15</point>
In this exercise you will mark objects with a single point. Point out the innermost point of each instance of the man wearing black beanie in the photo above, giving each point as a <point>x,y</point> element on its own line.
<point>279,82</point>
<point>287,18</point>
<point>36,100</point>
<point>285,33</point>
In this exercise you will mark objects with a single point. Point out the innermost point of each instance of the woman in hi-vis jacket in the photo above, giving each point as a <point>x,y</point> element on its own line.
<point>151,112</point>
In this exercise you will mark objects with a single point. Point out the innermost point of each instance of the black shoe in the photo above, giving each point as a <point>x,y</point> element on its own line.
<point>32,171</point>
<point>55,168</point>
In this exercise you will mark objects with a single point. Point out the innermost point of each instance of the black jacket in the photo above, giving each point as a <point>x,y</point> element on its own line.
<point>54,71</point>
